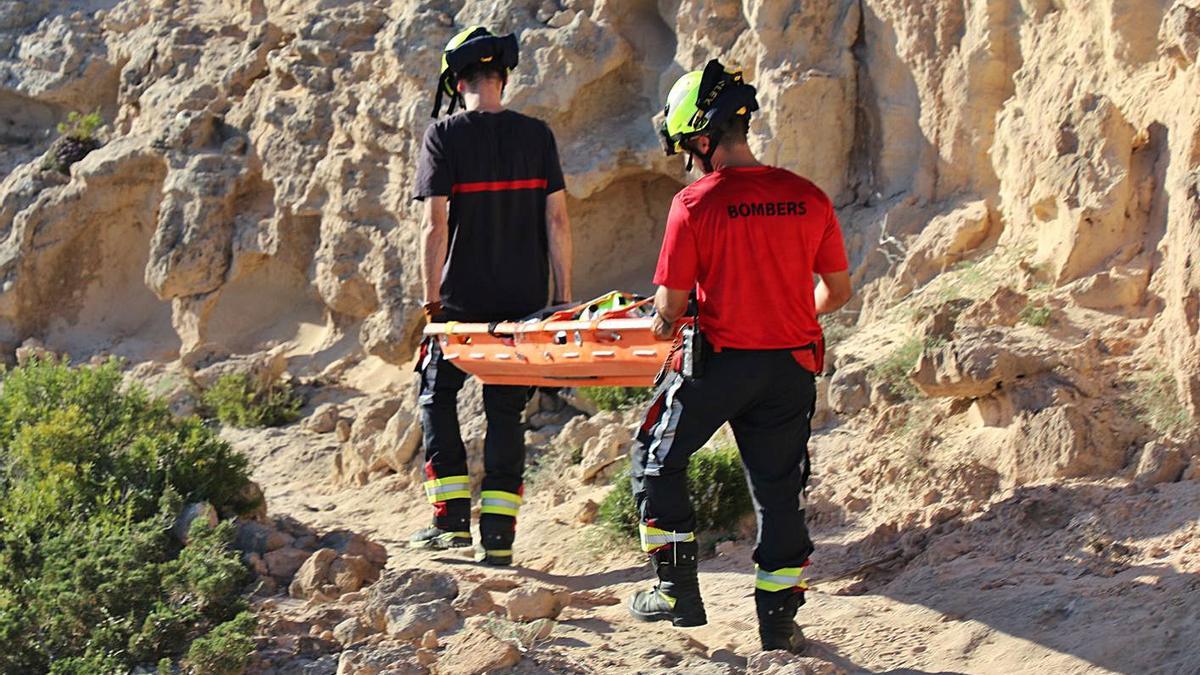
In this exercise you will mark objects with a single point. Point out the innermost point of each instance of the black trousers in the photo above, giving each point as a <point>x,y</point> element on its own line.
<point>446,455</point>
<point>768,399</point>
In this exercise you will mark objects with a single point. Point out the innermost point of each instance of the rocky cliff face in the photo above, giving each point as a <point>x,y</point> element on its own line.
<point>254,190</point>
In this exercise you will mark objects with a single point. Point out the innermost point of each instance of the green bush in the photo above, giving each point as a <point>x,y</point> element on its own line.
<point>716,484</point>
<point>616,398</point>
<point>893,370</point>
<point>1035,314</point>
<point>1156,398</point>
<point>92,474</point>
<point>237,400</point>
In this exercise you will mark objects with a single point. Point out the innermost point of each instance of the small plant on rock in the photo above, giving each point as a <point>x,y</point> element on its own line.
<point>237,400</point>
<point>716,483</point>
<point>77,137</point>
<point>893,370</point>
<point>616,398</point>
<point>1035,315</point>
<point>1157,401</point>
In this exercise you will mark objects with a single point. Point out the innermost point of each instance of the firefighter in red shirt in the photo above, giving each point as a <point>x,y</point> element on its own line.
<point>748,240</point>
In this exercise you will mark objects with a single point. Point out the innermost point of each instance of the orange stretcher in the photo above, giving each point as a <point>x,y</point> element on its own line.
<point>604,343</point>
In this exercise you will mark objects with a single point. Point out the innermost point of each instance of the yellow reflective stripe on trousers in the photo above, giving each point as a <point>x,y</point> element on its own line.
<point>499,502</point>
<point>780,579</point>
<point>653,538</point>
<point>450,487</point>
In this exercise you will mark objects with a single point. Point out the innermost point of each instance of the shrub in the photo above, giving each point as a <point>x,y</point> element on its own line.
<point>77,138</point>
<point>716,484</point>
<point>92,475</point>
<point>616,398</point>
<point>225,650</point>
<point>893,370</point>
<point>1035,315</point>
<point>1157,401</point>
<point>237,400</point>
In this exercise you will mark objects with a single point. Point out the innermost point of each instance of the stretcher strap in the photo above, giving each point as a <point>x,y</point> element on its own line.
<point>500,502</point>
<point>450,487</point>
<point>654,538</point>
<point>780,579</point>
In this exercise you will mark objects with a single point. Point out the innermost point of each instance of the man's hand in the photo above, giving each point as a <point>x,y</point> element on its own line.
<point>669,306</point>
<point>661,329</point>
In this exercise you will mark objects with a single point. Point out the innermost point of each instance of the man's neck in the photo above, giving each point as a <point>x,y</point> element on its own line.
<point>740,156</point>
<point>479,103</point>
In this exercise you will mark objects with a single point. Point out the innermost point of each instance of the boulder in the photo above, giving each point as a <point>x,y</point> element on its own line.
<point>976,364</point>
<point>1002,308</point>
<point>946,240</point>
<point>476,601</point>
<point>602,450</point>
<point>529,603</point>
<point>352,631</point>
<point>475,652</point>
<point>406,587</point>
<point>1159,462</point>
<point>313,574</point>
<point>412,620</point>
<point>324,419</point>
<point>849,391</point>
<point>1064,441</point>
<point>283,563</point>
<point>202,511</point>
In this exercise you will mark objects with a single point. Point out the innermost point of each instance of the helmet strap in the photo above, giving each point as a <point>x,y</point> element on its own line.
<point>714,139</point>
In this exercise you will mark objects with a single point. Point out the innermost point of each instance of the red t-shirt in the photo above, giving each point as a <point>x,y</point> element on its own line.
<point>749,240</point>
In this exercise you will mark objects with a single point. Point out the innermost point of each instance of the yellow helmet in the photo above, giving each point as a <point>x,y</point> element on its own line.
<point>471,47</point>
<point>700,103</point>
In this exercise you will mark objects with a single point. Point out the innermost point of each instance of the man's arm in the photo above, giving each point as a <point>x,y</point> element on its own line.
<point>434,242</point>
<point>833,292</point>
<point>669,306</point>
<point>558,230</point>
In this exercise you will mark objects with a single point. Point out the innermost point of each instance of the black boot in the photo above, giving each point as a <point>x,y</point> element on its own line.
<point>676,597</point>
<point>776,619</point>
<point>439,539</point>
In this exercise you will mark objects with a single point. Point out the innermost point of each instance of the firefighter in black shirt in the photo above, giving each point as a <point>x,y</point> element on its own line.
<point>495,231</point>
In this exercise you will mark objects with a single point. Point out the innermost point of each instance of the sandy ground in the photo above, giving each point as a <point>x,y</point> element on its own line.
<point>1083,577</point>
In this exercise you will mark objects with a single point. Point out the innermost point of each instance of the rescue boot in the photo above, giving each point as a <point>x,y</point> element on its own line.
<point>776,619</point>
<point>676,596</point>
<point>436,538</point>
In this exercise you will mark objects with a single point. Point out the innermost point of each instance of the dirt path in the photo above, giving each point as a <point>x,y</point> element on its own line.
<point>973,602</point>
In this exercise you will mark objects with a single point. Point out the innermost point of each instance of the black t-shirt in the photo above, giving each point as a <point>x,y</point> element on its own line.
<point>497,169</point>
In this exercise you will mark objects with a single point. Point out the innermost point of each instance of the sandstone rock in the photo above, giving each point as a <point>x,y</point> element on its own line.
<point>350,573</point>
<point>283,563</point>
<point>429,640</point>
<point>343,430</point>
<point>1158,462</point>
<point>411,620</point>
<point>977,364</point>
<point>323,420</point>
<point>313,574</point>
<point>406,587</point>
<point>945,241</point>
<point>392,658</point>
<point>604,449</point>
<point>848,392</point>
<point>255,536</point>
<point>530,603</point>
<point>352,631</point>
<point>263,369</point>
<point>1192,472</point>
<point>474,602</point>
<point>1060,442</point>
<point>1002,308</point>
<point>1111,289</point>
<point>587,513</point>
<point>476,652</point>
<point>348,543</point>
<point>202,511</point>
<point>780,663</point>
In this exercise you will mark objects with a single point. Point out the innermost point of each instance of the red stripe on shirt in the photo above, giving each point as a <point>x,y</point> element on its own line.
<point>499,185</point>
